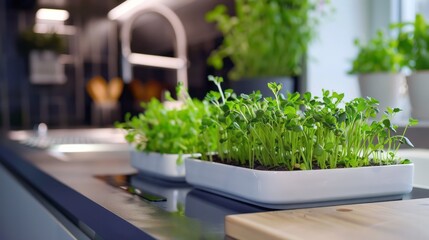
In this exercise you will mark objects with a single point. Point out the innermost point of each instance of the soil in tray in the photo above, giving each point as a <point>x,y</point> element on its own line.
<point>258,166</point>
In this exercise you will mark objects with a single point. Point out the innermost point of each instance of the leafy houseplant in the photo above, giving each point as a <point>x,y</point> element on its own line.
<point>413,43</point>
<point>381,54</point>
<point>30,40</point>
<point>43,51</point>
<point>171,132</point>
<point>378,64</point>
<point>266,38</point>
<point>298,132</point>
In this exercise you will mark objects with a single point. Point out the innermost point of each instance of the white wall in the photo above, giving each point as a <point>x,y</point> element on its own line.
<point>331,54</point>
<point>383,12</point>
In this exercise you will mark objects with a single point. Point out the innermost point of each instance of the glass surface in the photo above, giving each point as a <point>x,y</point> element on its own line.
<point>187,207</point>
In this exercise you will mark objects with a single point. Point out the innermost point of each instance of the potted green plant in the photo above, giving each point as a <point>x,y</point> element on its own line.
<point>266,41</point>
<point>164,134</point>
<point>378,64</point>
<point>43,52</point>
<point>413,43</point>
<point>300,149</point>
<point>29,41</point>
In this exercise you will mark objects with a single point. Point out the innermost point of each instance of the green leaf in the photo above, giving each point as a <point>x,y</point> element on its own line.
<point>342,117</point>
<point>217,80</point>
<point>244,96</point>
<point>388,124</point>
<point>274,87</point>
<point>406,161</point>
<point>318,150</point>
<point>298,128</point>
<point>413,122</point>
<point>259,113</point>
<point>407,141</point>
<point>215,13</point>
<point>329,146</point>
<point>289,110</point>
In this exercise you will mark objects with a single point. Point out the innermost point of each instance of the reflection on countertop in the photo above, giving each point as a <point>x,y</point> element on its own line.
<point>162,209</point>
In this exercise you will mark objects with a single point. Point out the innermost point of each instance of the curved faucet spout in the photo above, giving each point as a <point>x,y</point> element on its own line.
<point>179,62</point>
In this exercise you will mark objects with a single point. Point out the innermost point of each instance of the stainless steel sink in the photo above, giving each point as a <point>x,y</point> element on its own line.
<point>76,144</point>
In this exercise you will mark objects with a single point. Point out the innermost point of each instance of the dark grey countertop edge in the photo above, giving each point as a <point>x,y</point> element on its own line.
<point>79,209</point>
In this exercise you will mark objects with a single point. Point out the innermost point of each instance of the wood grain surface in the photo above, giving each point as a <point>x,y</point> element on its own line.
<point>407,219</point>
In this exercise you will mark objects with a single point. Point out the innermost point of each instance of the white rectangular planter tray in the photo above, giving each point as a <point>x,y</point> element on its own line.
<point>278,189</point>
<point>159,165</point>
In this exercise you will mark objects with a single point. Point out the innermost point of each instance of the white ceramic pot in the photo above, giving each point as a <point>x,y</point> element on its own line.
<point>45,68</point>
<point>418,86</point>
<point>387,88</point>
<point>278,188</point>
<point>159,165</point>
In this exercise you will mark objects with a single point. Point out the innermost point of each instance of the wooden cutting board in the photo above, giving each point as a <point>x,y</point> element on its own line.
<point>407,219</point>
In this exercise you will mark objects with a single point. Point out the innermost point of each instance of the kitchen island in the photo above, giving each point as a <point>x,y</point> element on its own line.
<point>88,185</point>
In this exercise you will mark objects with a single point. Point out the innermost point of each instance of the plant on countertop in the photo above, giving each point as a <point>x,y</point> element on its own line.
<point>273,133</point>
<point>413,41</point>
<point>265,38</point>
<point>380,54</point>
<point>169,130</point>
<point>29,40</point>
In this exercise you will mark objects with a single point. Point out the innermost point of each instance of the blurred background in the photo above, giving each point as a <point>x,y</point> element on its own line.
<point>92,78</point>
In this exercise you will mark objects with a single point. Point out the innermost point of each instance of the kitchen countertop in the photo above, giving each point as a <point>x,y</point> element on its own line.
<point>75,183</point>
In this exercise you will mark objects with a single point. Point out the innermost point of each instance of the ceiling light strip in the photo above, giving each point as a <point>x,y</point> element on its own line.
<point>52,14</point>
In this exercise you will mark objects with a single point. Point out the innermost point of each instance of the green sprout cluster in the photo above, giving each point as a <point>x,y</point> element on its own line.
<point>167,130</point>
<point>299,131</point>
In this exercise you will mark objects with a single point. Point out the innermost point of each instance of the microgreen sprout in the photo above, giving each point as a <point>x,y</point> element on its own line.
<point>168,130</point>
<point>300,131</point>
